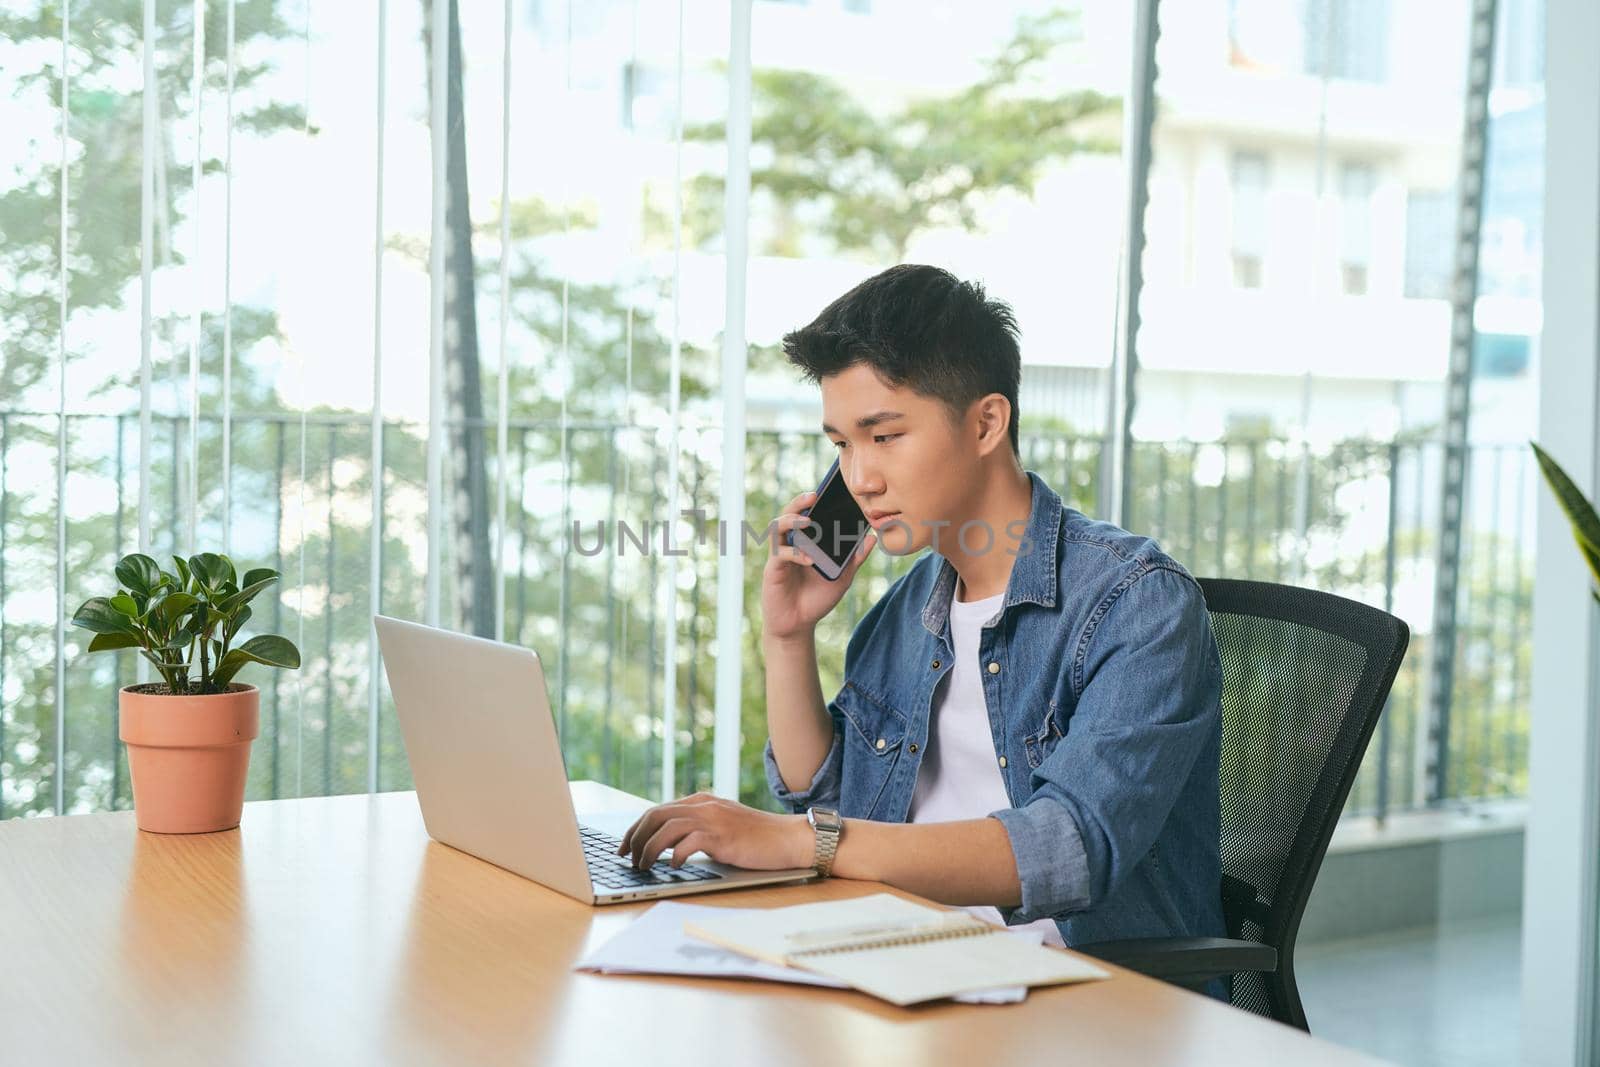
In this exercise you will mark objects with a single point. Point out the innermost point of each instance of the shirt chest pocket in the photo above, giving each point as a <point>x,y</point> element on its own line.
<point>877,725</point>
<point>874,732</point>
<point>1046,734</point>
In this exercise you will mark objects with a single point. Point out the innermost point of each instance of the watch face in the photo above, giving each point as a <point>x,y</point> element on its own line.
<point>824,819</point>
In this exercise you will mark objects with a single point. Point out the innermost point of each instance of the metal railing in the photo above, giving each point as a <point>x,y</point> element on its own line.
<point>1355,517</point>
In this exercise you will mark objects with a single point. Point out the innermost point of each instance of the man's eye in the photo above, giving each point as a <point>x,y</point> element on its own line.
<point>838,444</point>
<point>882,437</point>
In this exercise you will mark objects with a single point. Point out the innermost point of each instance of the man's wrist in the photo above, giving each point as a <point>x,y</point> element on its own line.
<point>805,841</point>
<point>799,641</point>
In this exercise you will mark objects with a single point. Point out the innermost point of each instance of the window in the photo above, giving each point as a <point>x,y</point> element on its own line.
<point>1357,181</point>
<point>1249,177</point>
<point>1430,238</point>
<point>1521,51</point>
<point>1347,39</point>
<point>1263,36</point>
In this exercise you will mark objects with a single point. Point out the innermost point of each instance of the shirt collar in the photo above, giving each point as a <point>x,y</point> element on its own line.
<point>1033,572</point>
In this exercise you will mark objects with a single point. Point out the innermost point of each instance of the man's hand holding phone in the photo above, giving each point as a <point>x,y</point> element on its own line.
<point>794,595</point>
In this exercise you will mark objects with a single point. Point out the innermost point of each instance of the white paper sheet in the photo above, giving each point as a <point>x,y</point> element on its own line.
<point>655,943</point>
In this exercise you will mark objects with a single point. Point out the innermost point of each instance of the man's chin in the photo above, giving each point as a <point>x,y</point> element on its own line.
<point>898,537</point>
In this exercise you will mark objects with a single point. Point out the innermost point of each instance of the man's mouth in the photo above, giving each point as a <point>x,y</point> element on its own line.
<point>877,519</point>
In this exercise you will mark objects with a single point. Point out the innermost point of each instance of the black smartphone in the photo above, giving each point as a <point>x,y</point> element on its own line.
<point>836,529</point>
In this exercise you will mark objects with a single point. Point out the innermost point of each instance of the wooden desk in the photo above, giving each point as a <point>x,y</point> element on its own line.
<point>332,930</point>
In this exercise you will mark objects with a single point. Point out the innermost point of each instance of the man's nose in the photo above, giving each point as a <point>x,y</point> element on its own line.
<point>862,478</point>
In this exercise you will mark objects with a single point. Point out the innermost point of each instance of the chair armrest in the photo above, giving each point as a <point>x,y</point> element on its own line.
<point>1186,959</point>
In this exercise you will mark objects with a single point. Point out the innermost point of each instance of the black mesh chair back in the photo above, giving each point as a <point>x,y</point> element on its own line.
<point>1305,676</point>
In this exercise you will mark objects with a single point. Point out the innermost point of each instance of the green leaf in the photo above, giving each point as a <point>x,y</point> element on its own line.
<point>244,595</point>
<point>126,604</point>
<point>272,650</point>
<point>210,569</point>
<point>183,572</point>
<point>138,572</point>
<point>172,606</point>
<point>111,642</point>
<point>233,575</point>
<point>236,623</point>
<point>268,649</point>
<point>1591,557</point>
<point>258,574</point>
<point>98,615</point>
<point>1581,513</point>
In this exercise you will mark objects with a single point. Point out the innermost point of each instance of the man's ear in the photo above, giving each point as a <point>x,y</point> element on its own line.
<point>993,414</point>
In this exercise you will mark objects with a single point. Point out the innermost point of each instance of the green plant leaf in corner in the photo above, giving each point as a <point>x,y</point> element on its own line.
<point>1579,511</point>
<point>1592,558</point>
<point>268,649</point>
<point>1577,507</point>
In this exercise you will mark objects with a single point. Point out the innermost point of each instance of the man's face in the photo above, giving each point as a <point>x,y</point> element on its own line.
<point>903,458</point>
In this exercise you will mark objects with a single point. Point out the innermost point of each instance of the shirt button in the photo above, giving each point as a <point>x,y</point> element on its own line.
<point>913,747</point>
<point>935,664</point>
<point>994,668</point>
<point>1002,761</point>
<point>881,743</point>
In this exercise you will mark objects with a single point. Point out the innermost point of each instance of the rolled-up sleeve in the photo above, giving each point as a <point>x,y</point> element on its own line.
<point>825,784</point>
<point>1147,706</point>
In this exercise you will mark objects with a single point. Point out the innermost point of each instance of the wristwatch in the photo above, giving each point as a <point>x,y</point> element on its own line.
<point>827,825</point>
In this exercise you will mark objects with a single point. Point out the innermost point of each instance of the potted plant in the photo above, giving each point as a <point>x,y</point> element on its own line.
<point>188,735</point>
<point>1580,512</point>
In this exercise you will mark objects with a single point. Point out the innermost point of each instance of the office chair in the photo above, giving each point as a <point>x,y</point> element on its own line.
<point>1304,677</point>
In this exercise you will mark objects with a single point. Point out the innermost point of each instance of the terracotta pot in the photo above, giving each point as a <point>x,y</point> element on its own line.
<point>188,756</point>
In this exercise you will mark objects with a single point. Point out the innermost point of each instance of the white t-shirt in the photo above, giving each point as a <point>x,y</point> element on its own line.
<point>960,773</point>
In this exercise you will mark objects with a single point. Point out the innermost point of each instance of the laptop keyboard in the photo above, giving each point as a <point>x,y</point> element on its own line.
<point>610,871</point>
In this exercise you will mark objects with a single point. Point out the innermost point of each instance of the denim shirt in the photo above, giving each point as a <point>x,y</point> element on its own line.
<point>1102,682</point>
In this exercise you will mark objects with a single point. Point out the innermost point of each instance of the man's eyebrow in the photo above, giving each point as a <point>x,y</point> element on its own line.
<point>867,422</point>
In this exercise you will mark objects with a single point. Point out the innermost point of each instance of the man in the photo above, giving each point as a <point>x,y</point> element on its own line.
<point>1029,720</point>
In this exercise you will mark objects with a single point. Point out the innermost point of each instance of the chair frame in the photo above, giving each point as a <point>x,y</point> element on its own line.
<point>1192,962</point>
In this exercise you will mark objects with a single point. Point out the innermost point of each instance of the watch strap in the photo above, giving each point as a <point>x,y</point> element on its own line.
<point>827,840</point>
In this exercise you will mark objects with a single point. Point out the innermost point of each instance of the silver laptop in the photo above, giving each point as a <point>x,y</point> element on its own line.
<point>475,718</point>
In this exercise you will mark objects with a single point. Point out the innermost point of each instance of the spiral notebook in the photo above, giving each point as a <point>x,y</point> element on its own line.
<point>902,952</point>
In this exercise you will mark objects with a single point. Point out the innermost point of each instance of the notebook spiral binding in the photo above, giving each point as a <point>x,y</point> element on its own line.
<point>960,929</point>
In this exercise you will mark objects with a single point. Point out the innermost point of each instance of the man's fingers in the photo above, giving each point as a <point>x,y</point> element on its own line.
<point>671,831</point>
<point>863,550</point>
<point>642,827</point>
<point>803,500</point>
<point>790,554</point>
<point>688,846</point>
<point>627,834</point>
<point>790,520</point>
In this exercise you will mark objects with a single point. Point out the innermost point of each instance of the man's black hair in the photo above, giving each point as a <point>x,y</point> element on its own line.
<point>920,328</point>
